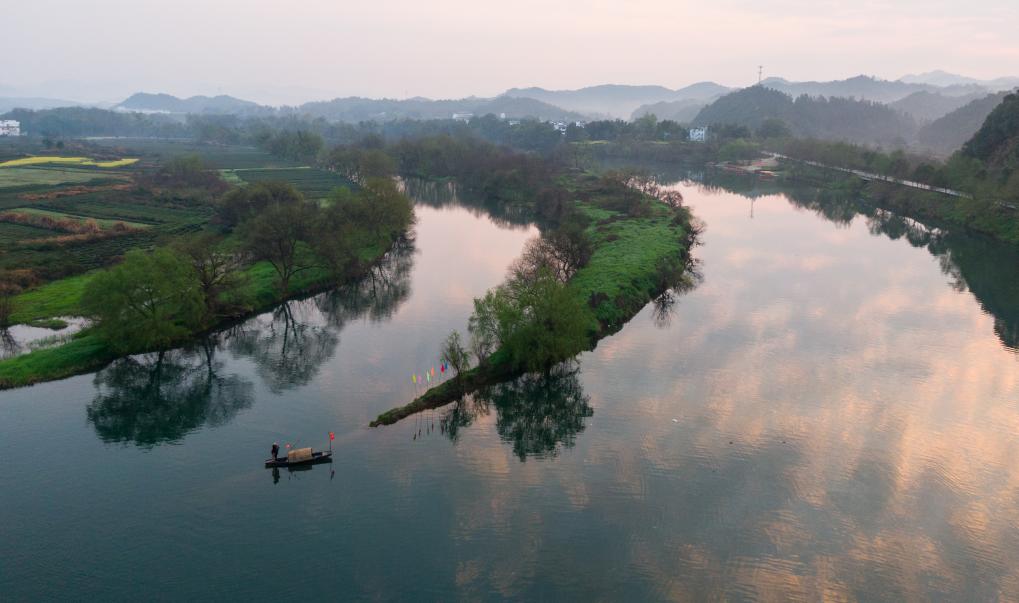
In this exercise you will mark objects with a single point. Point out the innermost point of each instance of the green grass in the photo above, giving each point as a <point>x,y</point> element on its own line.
<point>83,353</point>
<point>59,298</point>
<point>58,215</point>
<point>11,234</point>
<point>624,266</point>
<point>19,177</point>
<point>313,183</point>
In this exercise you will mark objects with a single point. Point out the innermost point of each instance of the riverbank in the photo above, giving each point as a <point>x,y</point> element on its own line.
<point>87,352</point>
<point>634,259</point>
<point>998,220</point>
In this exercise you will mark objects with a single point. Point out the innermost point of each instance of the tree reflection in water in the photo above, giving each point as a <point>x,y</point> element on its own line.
<point>162,397</point>
<point>539,414</point>
<point>300,336</point>
<point>289,348</point>
<point>987,268</point>
<point>377,295</point>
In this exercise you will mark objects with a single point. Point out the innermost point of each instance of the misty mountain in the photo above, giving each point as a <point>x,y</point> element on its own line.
<point>356,109</point>
<point>996,143</point>
<point>616,100</point>
<point>682,111</point>
<point>865,88</point>
<point>20,102</point>
<point>834,118</point>
<point>947,134</point>
<point>927,106</point>
<point>944,79</point>
<point>144,102</point>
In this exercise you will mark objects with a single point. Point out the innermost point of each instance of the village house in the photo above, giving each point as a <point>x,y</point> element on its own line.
<point>10,127</point>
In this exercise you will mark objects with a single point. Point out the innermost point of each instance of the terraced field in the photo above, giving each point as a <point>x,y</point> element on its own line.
<point>59,160</point>
<point>26,178</point>
<point>314,183</point>
<point>220,157</point>
<point>58,215</point>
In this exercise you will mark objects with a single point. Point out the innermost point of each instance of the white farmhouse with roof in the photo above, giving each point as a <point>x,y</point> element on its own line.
<point>698,134</point>
<point>10,127</point>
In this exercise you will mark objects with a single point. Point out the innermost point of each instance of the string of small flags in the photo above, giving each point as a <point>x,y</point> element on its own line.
<point>430,374</point>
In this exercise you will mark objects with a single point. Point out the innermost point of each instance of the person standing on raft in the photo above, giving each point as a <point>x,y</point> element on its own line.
<point>275,450</point>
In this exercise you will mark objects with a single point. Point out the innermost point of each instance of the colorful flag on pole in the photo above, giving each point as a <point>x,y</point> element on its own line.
<point>332,436</point>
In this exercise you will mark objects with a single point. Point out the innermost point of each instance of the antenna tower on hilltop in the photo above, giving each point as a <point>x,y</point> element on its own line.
<point>760,73</point>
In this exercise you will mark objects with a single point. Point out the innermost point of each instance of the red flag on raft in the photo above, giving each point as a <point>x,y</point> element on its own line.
<point>332,436</point>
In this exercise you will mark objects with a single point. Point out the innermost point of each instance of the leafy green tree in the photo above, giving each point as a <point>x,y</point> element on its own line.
<point>774,128</point>
<point>8,292</point>
<point>384,210</point>
<point>535,322</point>
<point>219,270</point>
<point>147,302</point>
<point>247,201</point>
<point>281,235</point>
<point>454,354</point>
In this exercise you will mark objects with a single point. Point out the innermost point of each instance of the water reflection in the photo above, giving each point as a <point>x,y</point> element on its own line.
<point>288,348</point>
<point>377,295</point>
<point>538,414</point>
<point>162,397</point>
<point>987,268</point>
<point>448,194</point>
<point>290,344</point>
<point>156,398</point>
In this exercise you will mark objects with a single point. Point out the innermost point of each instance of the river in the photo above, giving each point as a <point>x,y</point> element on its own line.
<point>830,413</point>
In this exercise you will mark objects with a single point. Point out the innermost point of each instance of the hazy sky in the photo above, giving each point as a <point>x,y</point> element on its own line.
<point>294,50</point>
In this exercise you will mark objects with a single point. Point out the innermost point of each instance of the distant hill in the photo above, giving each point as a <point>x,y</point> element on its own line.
<point>144,102</point>
<point>356,109</point>
<point>943,79</point>
<point>996,143</point>
<point>851,120</point>
<point>682,111</point>
<point>615,100</point>
<point>926,106</point>
<point>866,88</point>
<point>21,102</point>
<point>947,134</point>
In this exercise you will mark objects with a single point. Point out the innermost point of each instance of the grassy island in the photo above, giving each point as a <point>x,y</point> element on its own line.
<point>639,239</point>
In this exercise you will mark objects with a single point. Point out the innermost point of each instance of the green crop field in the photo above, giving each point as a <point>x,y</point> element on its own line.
<point>314,183</point>
<point>57,215</point>
<point>24,177</point>
<point>59,160</point>
<point>217,157</point>
<point>11,234</point>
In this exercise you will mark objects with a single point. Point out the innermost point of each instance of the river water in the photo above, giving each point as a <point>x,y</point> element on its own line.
<point>831,413</point>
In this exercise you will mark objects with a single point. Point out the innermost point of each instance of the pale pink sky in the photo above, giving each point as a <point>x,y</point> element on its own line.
<point>289,51</point>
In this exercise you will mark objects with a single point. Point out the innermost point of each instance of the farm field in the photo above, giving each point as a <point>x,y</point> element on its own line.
<point>29,177</point>
<point>57,215</point>
<point>44,160</point>
<point>37,252</point>
<point>312,182</point>
<point>219,157</point>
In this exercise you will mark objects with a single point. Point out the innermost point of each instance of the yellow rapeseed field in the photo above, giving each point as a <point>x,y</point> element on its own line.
<point>66,160</point>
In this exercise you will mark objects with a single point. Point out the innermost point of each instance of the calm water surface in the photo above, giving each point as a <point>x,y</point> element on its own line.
<point>831,413</point>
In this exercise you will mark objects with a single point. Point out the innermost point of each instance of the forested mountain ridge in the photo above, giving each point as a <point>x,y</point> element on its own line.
<point>846,119</point>
<point>167,103</point>
<point>925,106</point>
<point>619,101</point>
<point>996,143</point>
<point>948,133</point>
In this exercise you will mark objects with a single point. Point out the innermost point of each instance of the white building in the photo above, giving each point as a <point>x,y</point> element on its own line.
<point>698,134</point>
<point>463,116</point>
<point>10,127</point>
